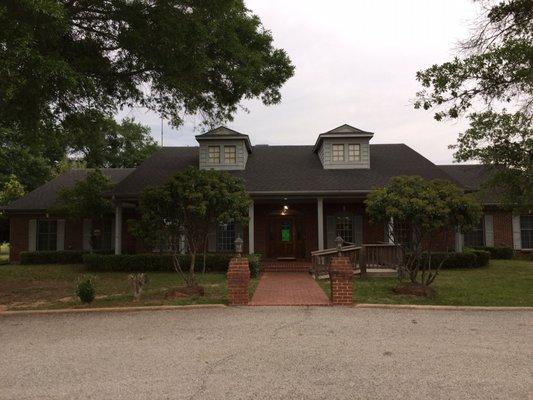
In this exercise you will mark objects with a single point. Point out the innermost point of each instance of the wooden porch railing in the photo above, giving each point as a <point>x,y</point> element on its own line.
<point>375,256</point>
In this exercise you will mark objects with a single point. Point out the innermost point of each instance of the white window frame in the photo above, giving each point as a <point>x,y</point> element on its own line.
<point>354,152</point>
<point>522,231</point>
<point>213,154</point>
<point>337,156</point>
<point>233,159</point>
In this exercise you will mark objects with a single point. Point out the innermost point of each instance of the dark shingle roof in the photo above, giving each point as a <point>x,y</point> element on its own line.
<point>289,169</point>
<point>44,196</point>
<point>470,176</point>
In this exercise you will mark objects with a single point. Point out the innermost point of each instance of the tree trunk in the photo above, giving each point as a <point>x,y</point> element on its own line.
<point>191,278</point>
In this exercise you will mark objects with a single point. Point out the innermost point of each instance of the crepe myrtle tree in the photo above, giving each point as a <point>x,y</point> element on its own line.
<point>185,208</point>
<point>426,209</point>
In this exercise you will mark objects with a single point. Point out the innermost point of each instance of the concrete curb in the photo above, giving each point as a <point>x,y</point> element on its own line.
<point>111,309</point>
<point>440,308</point>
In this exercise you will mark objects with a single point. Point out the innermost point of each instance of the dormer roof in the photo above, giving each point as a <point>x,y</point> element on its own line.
<point>342,131</point>
<point>223,132</point>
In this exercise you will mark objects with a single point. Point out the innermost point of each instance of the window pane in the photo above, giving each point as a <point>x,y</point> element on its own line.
<point>338,152</point>
<point>214,154</point>
<point>230,154</point>
<point>526,228</point>
<point>226,237</point>
<point>46,235</point>
<point>475,237</point>
<point>354,152</point>
<point>402,234</point>
<point>344,228</point>
<point>102,235</point>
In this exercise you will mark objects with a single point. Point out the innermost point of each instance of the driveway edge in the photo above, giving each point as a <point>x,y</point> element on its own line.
<point>443,308</point>
<point>111,309</point>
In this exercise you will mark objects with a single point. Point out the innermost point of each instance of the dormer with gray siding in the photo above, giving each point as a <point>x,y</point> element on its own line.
<point>344,147</point>
<point>224,149</point>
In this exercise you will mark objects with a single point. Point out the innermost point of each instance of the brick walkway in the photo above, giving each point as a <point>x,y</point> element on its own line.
<point>288,289</point>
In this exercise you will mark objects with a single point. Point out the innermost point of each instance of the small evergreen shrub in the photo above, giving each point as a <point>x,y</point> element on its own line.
<point>501,253</point>
<point>154,262</point>
<point>51,257</point>
<point>469,258</point>
<point>255,264</point>
<point>85,289</point>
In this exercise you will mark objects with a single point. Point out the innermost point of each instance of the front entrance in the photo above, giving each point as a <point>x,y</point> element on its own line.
<point>282,238</point>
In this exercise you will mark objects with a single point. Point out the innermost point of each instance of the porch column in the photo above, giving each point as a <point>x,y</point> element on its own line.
<point>390,231</point>
<point>118,229</point>
<point>251,243</point>
<point>320,216</point>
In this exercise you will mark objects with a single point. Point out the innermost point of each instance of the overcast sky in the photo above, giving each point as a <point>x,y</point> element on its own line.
<point>355,63</point>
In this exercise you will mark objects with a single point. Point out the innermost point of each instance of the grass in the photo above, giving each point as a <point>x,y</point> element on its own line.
<point>502,283</point>
<point>53,286</point>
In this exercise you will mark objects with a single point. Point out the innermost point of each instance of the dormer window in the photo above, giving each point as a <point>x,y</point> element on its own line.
<point>214,154</point>
<point>354,152</point>
<point>338,152</point>
<point>230,155</point>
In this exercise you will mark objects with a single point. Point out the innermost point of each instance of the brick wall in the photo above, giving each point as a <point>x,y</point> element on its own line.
<point>238,280</point>
<point>18,235</point>
<point>341,280</point>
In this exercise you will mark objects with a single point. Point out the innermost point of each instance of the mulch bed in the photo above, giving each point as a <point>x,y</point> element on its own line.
<point>414,289</point>
<point>185,291</point>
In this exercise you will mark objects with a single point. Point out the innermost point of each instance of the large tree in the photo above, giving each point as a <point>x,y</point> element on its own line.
<point>184,209</point>
<point>425,210</point>
<point>62,60</point>
<point>492,84</point>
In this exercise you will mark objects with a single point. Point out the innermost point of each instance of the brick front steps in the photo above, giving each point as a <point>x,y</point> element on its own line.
<point>285,266</point>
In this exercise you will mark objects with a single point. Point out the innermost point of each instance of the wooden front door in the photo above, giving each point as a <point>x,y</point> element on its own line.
<point>283,240</point>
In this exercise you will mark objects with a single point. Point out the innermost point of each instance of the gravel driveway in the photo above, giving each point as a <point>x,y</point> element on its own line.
<point>268,353</point>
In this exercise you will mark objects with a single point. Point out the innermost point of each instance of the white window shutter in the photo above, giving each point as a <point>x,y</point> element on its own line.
<point>60,244</point>
<point>32,235</point>
<point>489,230</point>
<point>113,232</point>
<point>517,237</point>
<point>331,231</point>
<point>87,228</point>
<point>212,239</point>
<point>459,241</point>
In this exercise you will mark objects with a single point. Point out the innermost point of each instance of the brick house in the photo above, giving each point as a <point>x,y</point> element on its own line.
<point>303,197</point>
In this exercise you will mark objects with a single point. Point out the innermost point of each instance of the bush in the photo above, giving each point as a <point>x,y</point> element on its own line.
<point>85,289</point>
<point>152,262</point>
<point>51,257</point>
<point>502,253</point>
<point>467,259</point>
<point>255,264</point>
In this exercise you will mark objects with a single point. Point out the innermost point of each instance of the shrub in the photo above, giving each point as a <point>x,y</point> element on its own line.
<point>85,289</point>
<point>152,262</point>
<point>467,259</point>
<point>51,257</point>
<point>502,253</point>
<point>255,264</point>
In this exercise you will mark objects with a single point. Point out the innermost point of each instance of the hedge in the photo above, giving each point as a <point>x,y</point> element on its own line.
<point>469,258</point>
<point>150,262</point>
<point>51,257</point>
<point>502,253</point>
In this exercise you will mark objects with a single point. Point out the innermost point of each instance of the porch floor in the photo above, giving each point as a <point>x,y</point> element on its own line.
<point>288,289</point>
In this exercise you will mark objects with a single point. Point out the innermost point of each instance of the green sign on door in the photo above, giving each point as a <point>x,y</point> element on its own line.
<point>285,235</point>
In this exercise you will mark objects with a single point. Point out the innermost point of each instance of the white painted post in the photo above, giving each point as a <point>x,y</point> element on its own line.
<point>118,229</point>
<point>320,216</point>
<point>390,231</point>
<point>251,243</point>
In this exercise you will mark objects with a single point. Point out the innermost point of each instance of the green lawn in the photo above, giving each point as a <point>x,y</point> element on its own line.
<point>53,286</point>
<point>503,283</point>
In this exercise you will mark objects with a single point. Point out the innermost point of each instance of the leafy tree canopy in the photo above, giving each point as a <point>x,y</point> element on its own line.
<point>12,190</point>
<point>425,209</point>
<point>86,199</point>
<point>492,84</point>
<point>187,207</point>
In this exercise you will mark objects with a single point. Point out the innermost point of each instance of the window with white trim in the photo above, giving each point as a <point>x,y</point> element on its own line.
<point>226,237</point>
<point>46,235</point>
<point>354,152</point>
<point>230,155</point>
<point>344,228</point>
<point>475,237</point>
<point>214,154</point>
<point>526,231</point>
<point>337,152</point>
